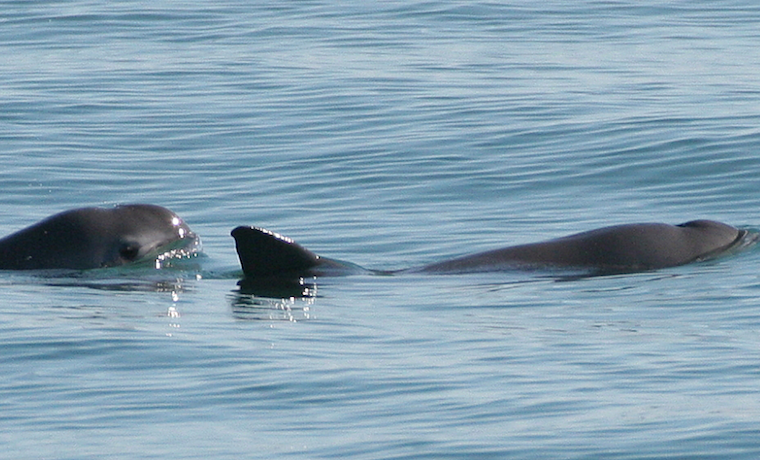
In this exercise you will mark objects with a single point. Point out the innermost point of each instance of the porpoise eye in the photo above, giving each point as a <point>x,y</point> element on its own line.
<point>129,251</point>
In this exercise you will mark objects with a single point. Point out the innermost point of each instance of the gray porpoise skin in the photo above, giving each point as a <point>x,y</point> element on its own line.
<point>618,249</point>
<point>88,238</point>
<point>624,248</point>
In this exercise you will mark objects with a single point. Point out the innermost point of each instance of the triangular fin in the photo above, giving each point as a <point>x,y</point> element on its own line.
<point>267,254</point>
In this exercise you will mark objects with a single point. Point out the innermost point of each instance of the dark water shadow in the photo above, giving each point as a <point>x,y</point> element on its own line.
<point>280,288</point>
<point>274,299</point>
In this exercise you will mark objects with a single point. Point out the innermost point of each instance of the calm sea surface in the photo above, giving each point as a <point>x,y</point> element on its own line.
<point>391,134</point>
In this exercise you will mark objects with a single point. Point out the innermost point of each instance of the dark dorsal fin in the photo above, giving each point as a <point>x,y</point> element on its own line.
<point>267,254</point>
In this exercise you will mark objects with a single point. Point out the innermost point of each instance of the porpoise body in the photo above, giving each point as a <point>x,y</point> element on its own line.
<point>617,249</point>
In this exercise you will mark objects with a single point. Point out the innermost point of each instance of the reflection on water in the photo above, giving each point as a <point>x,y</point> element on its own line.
<point>279,287</point>
<point>176,285</point>
<point>250,307</point>
<point>281,299</point>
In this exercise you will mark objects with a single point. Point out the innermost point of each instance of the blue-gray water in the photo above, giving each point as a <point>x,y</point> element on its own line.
<point>390,134</point>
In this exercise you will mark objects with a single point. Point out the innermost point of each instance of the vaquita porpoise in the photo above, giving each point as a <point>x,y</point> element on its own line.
<point>86,238</point>
<point>618,249</point>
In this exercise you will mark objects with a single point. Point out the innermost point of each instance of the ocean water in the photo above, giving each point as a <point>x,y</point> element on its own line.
<point>390,134</point>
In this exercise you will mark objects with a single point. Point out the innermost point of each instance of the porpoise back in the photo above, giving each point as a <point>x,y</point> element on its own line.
<point>618,249</point>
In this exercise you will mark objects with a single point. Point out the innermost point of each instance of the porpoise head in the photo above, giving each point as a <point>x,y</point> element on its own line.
<point>709,238</point>
<point>99,237</point>
<point>147,232</point>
